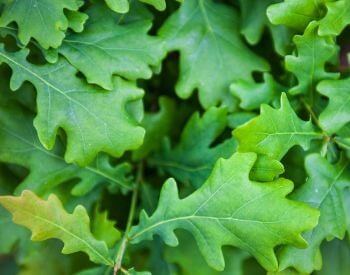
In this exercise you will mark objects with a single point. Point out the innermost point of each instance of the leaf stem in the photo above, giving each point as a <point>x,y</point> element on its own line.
<point>124,242</point>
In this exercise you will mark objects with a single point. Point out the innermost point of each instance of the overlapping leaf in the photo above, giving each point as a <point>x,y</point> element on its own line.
<point>212,54</point>
<point>157,126</point>
<point>323,190</point>
<point>253,94</point>
<point>296,14</point>
<point>336,18</point>
<point>187,256</point>
<point>193,158</point>
<point>274,132</point>
<point>104,229</point>
<point>108,46</point>
<point>94,120</point>
<point>229,209</point>
<point>254,22</point>
<point>308,65</point>
<point>123,6</point>
<point>47,219</point>
<point>337,112</point>
<point>20,145</point>
<point>43,20</point>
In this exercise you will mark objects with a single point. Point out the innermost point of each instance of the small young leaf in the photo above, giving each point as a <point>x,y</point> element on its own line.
<point>274,132</point>
<point>104,229</point>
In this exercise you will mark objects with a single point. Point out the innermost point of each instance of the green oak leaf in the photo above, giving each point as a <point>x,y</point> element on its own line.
<point>336,255</point>
<point>296,14</point>
<point>230,209</point>
<point>323,190</point>
<point>336,18</point>
<point>266,169</point>
<point>187,256</point>
<point>255,21</point>
<point>108,46</point>
<point>193,157</point>
<point>43,20</point>
<point>123,6</point>
<point>47,219</point>
<point>337,112</point>
<point>252,94</point>
<point>157,126</point>
<point>93,119</point>
<point>47,169</point>
<point>212,54</point>
<point>104,229</point>
<point>43,259</point>
<point>308,65</point>
<point>120,6</point>
<point>275,131</point>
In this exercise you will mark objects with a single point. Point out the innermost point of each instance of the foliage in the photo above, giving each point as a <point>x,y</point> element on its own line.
<point>245,103</point>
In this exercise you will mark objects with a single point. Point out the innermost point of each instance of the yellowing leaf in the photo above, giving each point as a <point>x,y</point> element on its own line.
<point>47,219</point>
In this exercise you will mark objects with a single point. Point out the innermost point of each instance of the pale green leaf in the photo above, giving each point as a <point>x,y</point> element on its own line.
<point>212,54</point>
<point>266,169</point>
<point>275,131</point>
<point>43,20</point>
<point>230,209</point>
<point>93,119</point>
<point>296,14</point>
<point>121,6</point>
<point>336,18</point>
<point>104,229</point>
<point>323,191</point>
<point>47,219</point>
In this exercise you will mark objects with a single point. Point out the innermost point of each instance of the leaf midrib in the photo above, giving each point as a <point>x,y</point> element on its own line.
<point>89,168</point>
<point>105,260</point>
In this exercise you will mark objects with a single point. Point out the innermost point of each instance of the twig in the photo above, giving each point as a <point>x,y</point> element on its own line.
<point>124,242</point>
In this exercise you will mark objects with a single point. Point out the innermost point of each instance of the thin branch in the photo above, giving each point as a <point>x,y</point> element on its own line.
<point>124,242</point>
